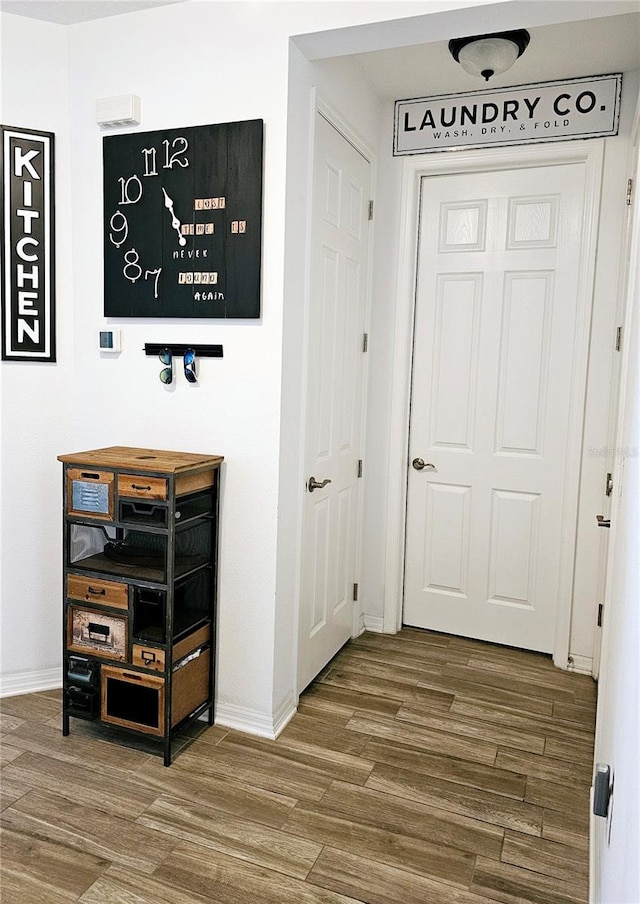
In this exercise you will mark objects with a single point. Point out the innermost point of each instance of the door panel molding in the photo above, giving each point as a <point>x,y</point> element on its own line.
<point>357,279</point>
<point>591,155</point>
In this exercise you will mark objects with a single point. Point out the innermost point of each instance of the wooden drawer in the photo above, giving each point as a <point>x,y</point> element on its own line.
<point>191,642</point>
<point>96,633</point>
<point>90,493</point>
<point>148,657</point>
<point>136,487</point>
<point>94,590</point>
<point>190,686</point>
<point>191,483</point>
<point>132,699</point>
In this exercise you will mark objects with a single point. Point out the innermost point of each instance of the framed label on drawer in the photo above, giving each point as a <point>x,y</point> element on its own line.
<point>90,493</point>
<point>97,633</point>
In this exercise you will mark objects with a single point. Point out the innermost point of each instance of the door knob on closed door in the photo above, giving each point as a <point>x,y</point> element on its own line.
<point>419,464</point>
<point>316,484</point>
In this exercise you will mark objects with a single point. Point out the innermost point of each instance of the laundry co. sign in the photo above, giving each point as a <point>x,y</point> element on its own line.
<point>27,248</point>
<point>549,111</point>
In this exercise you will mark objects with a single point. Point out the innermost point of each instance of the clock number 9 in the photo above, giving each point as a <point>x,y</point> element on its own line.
<point>119,229</point>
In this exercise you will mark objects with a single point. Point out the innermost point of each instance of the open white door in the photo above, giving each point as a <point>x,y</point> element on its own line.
<point>339,267</point>
<point>615,837</point>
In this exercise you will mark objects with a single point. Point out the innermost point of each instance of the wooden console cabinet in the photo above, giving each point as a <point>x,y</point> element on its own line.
<point>140,536</point>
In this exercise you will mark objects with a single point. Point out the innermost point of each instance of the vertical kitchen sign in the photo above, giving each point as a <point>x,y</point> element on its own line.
<point>27,250</point>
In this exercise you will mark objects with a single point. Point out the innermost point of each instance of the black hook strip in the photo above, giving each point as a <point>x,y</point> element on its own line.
<point>179,348</point>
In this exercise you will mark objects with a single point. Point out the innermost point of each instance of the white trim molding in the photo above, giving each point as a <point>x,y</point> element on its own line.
<point>374,623</point>
<point>252,722</point>
<point>591,155</point>
<point>30,682</point>
<point>581,664</point>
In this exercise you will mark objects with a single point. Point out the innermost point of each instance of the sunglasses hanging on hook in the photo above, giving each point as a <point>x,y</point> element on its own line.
<point>166,374</point>
<point>190,366</point>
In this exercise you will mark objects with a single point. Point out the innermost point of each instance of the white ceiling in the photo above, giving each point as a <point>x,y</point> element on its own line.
<point>69,12</point>
<point>567,50</point>
<point>593,46</point>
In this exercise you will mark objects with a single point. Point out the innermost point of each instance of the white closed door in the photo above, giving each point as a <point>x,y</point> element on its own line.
<point>338,286</point>
<point>491,404</point>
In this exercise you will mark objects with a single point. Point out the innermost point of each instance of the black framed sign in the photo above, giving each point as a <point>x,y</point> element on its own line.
<point>27,249</point>
<point>183,222</point>
<point>586,107</point>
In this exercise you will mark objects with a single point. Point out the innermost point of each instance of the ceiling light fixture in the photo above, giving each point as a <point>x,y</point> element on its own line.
<point>488,55</point>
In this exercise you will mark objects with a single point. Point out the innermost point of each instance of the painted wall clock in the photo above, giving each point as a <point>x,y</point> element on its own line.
<point>183,222</point>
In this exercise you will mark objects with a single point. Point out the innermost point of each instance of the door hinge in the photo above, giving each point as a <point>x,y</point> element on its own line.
<point>371,209</point>
<point>359,467</point>
<point>600,610</point>
<point>618,338</point>
<point>365,342</point>
<point>608,488</point>
<point>629,192</point>
<point>355,593</point>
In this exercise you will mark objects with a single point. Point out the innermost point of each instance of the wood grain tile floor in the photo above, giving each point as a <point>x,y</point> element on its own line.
<point>419,769</point>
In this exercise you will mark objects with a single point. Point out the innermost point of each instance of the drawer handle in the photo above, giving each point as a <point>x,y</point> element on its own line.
<point>95,592</point>
<point>99,632</point>
<point>147,656</point>
<point>89,475</point>
<point>132,676</point>
<point>134,486</point>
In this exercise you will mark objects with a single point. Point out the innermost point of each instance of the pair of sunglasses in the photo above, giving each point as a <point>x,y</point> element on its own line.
<point>166,374</point>
<point>190,365</point>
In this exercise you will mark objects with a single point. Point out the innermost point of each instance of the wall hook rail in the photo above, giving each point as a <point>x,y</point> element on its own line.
<point>179,348</point>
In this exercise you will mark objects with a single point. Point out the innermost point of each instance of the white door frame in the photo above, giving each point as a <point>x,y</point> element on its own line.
<point>589,153</point>
<point>320,106</point>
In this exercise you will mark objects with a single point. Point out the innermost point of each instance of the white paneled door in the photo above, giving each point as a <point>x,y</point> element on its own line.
<point>339,255</point>
<point>496,306</point>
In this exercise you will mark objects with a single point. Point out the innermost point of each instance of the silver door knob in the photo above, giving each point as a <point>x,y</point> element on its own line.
<point>419,464</point>
<point>316,484</point>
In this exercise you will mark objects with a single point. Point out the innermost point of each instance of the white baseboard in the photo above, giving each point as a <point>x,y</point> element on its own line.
<point>238,717</point>
<point>30,682</point>
<point>581,664</point>
<point>248,720</point>
<point>374,623</point>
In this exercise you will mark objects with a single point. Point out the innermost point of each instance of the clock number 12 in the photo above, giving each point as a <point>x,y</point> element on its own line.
<point>175,154</point>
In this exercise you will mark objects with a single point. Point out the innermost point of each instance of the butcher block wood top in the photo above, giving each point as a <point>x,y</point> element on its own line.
<point>158,460</point>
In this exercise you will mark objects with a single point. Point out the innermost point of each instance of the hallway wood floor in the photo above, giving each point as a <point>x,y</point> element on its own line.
<point>419,769</point>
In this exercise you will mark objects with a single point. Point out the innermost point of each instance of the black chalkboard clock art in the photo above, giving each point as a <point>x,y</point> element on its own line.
<point>183,222</point>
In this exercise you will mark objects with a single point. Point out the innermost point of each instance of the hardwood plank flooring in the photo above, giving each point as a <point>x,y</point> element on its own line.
<point>419,769</point>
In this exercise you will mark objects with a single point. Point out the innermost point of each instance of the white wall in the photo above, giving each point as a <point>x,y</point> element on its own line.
<point>601,383</point>
<point>192,63</point>
<point>37,411</point>
<point>615,840</point>
<point>237,410</point>
<point>589,570</point>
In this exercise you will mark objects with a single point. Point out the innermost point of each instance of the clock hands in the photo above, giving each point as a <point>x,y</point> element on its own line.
<point>175,222</point>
